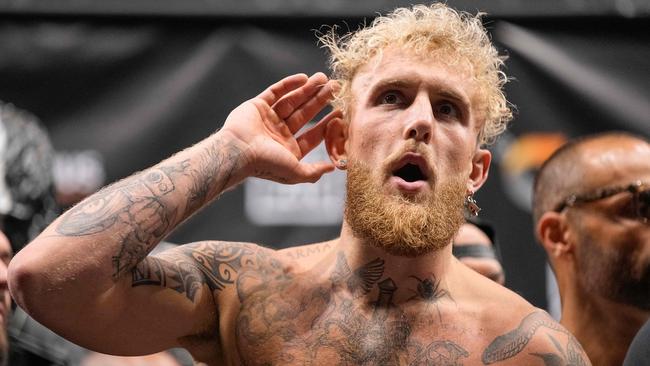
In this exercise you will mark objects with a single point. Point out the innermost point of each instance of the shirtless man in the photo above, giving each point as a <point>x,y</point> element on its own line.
<point>417,94</point>
<point>592,209</point>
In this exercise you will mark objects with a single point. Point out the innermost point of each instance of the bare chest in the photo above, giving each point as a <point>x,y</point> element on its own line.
<point>324,326</point>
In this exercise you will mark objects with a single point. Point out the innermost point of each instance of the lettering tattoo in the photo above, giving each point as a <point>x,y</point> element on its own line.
<point>138,211</point>
<point>299,253</point>
<point>512,343</point>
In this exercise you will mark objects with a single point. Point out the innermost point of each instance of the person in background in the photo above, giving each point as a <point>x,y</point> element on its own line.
<point>475,246</point>
<point>591,208</point>
<point>639,352</point>
<point>27,206</point>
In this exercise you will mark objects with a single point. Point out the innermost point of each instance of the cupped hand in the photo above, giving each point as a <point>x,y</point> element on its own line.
<point>267,125</point>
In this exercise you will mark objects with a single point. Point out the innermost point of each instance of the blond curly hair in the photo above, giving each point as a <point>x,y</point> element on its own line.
<point>425,30</point>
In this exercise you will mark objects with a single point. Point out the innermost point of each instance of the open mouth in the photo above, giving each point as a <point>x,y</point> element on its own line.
<point>410,173</point>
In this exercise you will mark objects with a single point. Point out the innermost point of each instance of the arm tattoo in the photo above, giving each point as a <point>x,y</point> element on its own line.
<point>212,161</point>
<point>214,264</point>
<point>137,211</point>
<point>135,206</point>
<point>512,343</point>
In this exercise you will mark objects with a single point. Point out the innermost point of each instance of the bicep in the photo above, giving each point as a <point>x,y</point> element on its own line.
<point>175,294</point>
<point>168,296</point>
<point>162,300</point>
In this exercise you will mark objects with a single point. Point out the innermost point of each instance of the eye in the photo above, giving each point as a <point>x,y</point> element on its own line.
<point>626,207</point>
<point>643,205</point>
<point>447,110</point>
<point>391,97</point>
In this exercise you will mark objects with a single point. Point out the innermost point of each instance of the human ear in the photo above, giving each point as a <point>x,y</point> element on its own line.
<point>552,234</point>
<point>336,136</point>
<point>480,167</point>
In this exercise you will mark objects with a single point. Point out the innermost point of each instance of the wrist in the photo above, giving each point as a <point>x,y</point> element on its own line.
<point>239,155</point>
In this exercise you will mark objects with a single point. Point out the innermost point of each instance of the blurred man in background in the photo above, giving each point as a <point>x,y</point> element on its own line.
<point>475,246</point>
<point>27,205</point>
<point>591,209</point>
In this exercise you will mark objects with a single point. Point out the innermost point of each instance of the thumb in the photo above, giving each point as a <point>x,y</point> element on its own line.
<point>312,172</point>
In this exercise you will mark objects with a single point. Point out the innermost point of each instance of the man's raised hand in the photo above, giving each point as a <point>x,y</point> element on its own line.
<point>268,123</point>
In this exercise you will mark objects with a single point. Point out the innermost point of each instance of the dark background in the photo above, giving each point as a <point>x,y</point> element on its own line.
<point>136,81</point>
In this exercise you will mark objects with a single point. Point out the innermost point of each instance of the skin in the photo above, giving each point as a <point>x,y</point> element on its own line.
<point>335,303</point>
<point>5,298</point>
<point>158,359</point>
<point>604,326</point>
<point>491,268</point>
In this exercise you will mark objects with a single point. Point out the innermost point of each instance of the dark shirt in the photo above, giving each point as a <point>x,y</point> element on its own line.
<point>639,352</point>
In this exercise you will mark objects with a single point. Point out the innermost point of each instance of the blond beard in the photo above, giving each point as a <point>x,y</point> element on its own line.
<point>402,226</point>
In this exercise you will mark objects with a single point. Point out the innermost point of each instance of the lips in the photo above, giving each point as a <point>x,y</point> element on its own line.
<point>411,168</point>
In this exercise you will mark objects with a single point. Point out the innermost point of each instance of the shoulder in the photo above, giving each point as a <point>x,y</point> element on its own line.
<point>224,258</point>
<point>536,339</point>
<point>305,257</point>
<point>514,331</point>
<point>489,298</point>
<point>214,251</point>
<point>217,264</point>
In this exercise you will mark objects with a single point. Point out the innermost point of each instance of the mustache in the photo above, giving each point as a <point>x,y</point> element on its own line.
<point>410,146</point>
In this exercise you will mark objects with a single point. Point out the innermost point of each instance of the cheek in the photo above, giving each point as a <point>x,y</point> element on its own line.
<point>458,155</point>
<point>366,143</point>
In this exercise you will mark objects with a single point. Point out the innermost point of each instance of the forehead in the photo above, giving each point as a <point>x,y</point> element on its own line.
<point>616,162</point>
<point>401,67</point>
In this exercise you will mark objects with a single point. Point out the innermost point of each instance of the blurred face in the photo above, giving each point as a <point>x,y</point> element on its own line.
<point>472,238</point>
<point>5,298</point>
<point>612,244</point>
<point>412,139</point>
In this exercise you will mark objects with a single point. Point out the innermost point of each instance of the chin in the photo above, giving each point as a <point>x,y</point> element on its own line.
<point>407,225</point>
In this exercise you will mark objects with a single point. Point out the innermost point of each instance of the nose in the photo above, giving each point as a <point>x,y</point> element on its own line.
<point>420,120</point>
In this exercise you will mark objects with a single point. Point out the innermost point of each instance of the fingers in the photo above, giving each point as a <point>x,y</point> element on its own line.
<point>278,90</point>
<point>313,172</point>
<point>312,137</point>
<point>291,102</point>
<point>307,142</point>
<point>319,100</point>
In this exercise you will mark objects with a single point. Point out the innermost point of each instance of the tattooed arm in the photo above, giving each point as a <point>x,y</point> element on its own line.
<point>77,277</point>
<point>538,340</point>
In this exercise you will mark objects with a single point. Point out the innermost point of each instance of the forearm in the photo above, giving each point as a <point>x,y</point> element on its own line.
<point>100,240</point>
